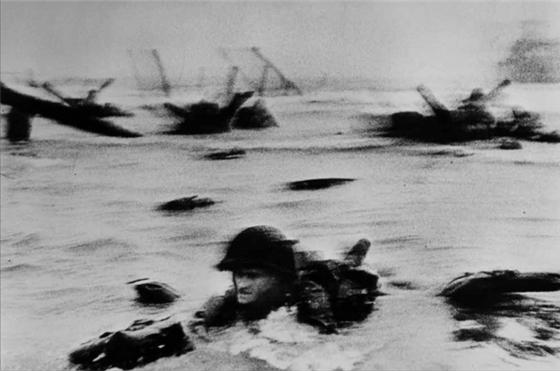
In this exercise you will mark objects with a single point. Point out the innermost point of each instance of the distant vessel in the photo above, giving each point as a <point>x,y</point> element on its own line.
<point>532,58</point>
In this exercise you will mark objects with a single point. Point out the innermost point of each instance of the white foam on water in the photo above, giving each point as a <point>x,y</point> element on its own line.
<point>284,343</point>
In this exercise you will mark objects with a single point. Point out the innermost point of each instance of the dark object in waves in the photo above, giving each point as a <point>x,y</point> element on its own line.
<point>19,125</point>
<point>142,342</point>
<point>63,114</point>
<point>461,128</point>
<point>476,288</point>
<point>253,116</point>
<point>186,204</point>
<point>226,155</point>
<point>102,110</point>
<point>153,292</point>
<point>320,183</point>
<point>205,117</point>
<point>510,144</point>
<point>466,123</point>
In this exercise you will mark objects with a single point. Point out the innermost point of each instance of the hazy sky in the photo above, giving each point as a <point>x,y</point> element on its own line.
<point>417,40</point>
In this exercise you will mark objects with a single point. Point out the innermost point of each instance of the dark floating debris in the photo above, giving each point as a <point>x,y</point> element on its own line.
<point>481,286</point>
<point>510,144</point>
<point>403,285</point>
<point>153,292</point>
<point>226,155</point>
<point>144,341</point>
<point>450,152</point>
<point>186,204</point>
<point>319,183</point>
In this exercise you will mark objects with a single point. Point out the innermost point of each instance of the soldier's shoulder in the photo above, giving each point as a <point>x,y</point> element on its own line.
<point>219,310</point>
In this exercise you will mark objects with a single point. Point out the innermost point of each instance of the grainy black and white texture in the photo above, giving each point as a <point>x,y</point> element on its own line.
<point>80,212</point>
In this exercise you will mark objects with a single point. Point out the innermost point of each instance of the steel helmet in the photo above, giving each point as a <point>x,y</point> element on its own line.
<point>260,247</point>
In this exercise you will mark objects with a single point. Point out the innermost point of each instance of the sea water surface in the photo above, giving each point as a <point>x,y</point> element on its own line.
<point>79,220</point>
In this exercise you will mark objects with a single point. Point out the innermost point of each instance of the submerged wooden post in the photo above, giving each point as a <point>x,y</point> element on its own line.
<point>227,58</point>
<point>287,84</point>
<point>201,78</point>
<point>230,83</point>
<point>262,84</point>
<point>27,106</point>
<point>18,125</point>
<point>135,69</point>
<point>166,87</point>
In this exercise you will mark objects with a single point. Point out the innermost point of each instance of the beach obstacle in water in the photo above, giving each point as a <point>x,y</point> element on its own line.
<point>144,341</point>
<point>477,288</point>
<point>466,123</point>
<point>253,115</point>
<point>205,117</point>
<point>73,116</point>
<point>186,204</point>
<point>19,125</point>
<point>510,144</point>
<point>198,118</point>
<point>153,292</point>
<point>356,255</point>
<point>462,126</point>
<point>209,118</point>
<point>319,183</point>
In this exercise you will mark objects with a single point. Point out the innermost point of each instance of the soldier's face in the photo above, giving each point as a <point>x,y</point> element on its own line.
<point>255,285</point>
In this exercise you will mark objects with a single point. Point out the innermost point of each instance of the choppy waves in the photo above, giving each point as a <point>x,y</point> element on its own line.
<point>288,345</point>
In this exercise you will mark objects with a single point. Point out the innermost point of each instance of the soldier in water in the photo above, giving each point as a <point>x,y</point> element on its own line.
<point>262,263</point>
<point>265,277</point>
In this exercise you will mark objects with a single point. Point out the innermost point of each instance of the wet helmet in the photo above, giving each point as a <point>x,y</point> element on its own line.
<point>260,247</point>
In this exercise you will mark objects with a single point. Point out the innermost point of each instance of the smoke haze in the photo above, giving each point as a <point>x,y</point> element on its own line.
<point>398,41</point>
